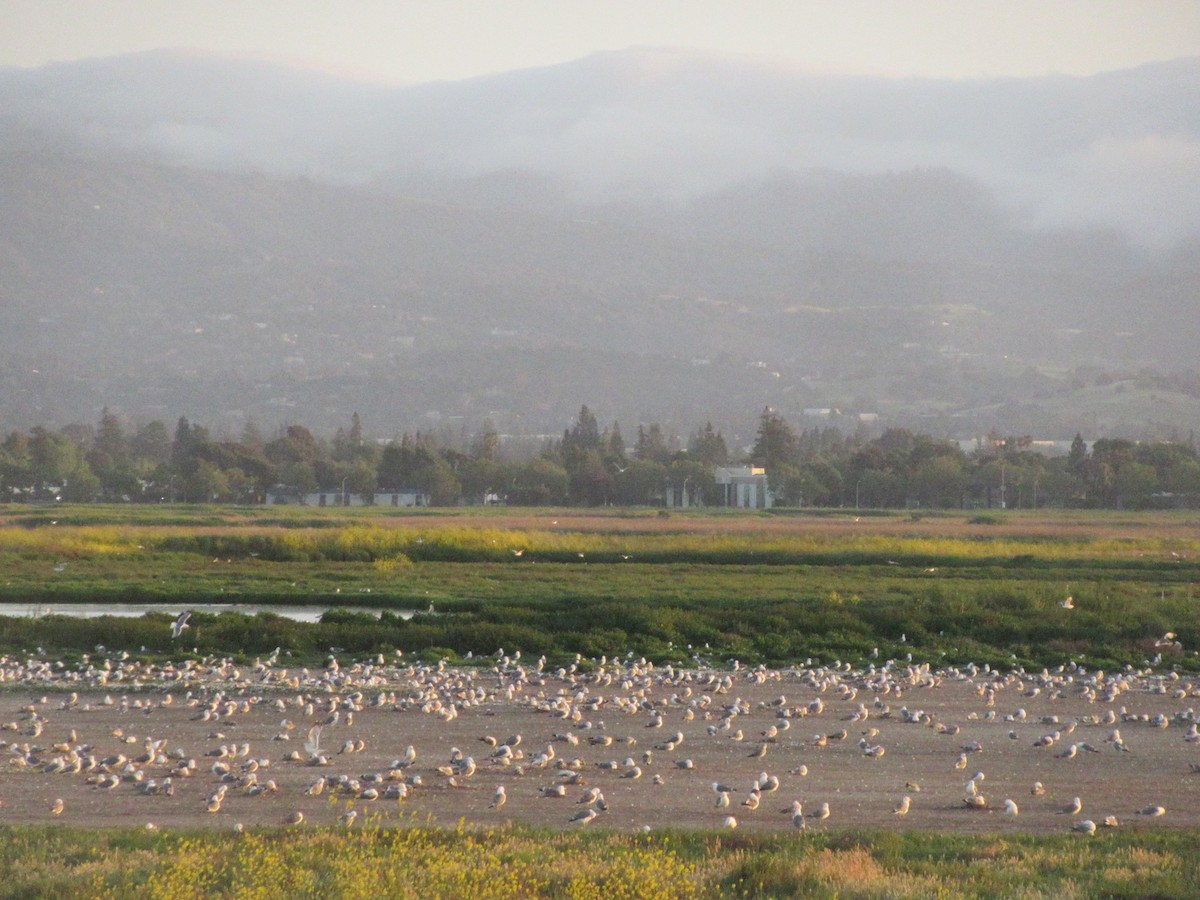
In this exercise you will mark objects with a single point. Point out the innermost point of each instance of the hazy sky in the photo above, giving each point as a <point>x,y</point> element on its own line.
<point>408,41</point>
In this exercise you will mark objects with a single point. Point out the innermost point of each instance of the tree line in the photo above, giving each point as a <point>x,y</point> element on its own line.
<point>589,465</point>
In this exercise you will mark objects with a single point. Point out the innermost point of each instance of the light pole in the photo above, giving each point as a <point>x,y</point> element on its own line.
<point>345,499</point>
<point>856,486</point>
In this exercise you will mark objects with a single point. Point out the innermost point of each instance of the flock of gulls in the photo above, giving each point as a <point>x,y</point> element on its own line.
<point>619,742</point>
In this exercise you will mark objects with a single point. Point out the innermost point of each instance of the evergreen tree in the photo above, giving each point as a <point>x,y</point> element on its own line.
<point>708,446</point>
<point>1078,457</point>
<point>615,444</point>
<point>181,446</point>
<point>583,436</point>
<point>110,438</point>
<point>152,443</point>
<point>110,460</point>
<point>776,445</point>
<point>487,443</point>
<point>651,444</point>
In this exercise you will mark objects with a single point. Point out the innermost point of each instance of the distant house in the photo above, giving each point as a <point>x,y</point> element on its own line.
<point>283,495</point>
<point>404,497</point>
<point>743,487</point>
<point>287,495</point>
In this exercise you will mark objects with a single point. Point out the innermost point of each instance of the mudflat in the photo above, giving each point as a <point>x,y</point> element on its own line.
<point>127,744</point>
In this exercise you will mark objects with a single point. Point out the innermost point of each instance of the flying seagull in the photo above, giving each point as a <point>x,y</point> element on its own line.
<point>181,623</point>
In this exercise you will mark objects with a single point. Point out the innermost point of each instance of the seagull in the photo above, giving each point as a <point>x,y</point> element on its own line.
<point>1069,603</point>
<point>313,744</point>
<point>181,623</point>
<point>1086,826</point>
<point>767,783</point>
<point>1010,808</point>
<point>902,807</point>
<point>590,796</point>
<point>498,798</point>
<point>1151,811</point>
<point>1074,808</point>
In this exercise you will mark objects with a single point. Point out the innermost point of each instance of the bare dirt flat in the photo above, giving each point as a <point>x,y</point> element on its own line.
<point>607,716</point>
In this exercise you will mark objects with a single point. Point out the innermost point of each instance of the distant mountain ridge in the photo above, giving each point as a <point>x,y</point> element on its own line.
<point>640,121</point>
<point>666,237</point>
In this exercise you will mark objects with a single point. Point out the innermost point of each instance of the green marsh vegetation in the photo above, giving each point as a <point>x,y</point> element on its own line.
<point>772,588</point>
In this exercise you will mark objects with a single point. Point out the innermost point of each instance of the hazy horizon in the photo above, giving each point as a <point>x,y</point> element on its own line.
<point>414,43</point>
<point>668,235</point>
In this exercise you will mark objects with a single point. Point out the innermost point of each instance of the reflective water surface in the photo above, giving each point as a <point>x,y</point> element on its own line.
<point>132,610</point>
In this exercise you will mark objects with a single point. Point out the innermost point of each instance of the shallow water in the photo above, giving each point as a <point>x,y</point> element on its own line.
<point>133,610</point>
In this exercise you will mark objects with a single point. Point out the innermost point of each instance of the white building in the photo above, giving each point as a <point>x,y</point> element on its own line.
<point>743,487</point>
<point>281,495</point>
<point>401,498</point>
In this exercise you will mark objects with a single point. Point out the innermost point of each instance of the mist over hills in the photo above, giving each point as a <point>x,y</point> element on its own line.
<point>663,236</point>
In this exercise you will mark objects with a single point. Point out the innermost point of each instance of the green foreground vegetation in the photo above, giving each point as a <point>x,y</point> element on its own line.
<point>776,589</point>
<point>422,862</point>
